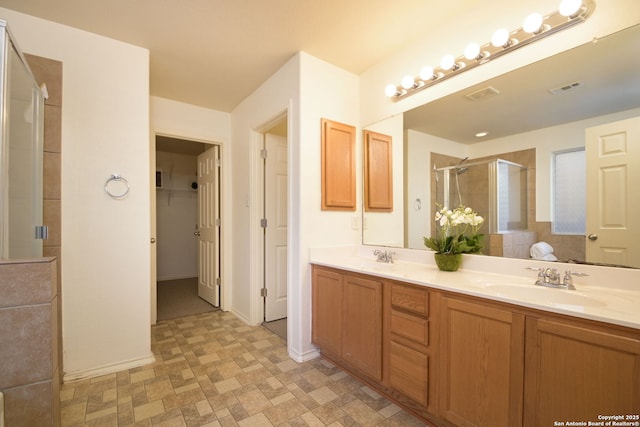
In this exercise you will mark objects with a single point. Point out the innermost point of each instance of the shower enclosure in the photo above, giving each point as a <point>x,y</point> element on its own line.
<point>496,189</point>
<point>21,151</point>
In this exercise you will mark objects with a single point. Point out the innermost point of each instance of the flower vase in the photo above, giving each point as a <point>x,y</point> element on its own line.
<point>448,262</point>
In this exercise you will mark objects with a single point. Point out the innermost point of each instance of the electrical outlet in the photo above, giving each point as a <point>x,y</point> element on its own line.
<point>355,222</point>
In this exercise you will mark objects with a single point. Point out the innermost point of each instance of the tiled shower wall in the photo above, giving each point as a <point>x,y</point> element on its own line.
<point>29,342</point>
<point>49,72</point>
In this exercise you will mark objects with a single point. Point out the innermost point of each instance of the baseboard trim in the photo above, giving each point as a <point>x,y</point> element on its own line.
<point>303,357</point>
<point>242,317</point>
<point>107,369</point>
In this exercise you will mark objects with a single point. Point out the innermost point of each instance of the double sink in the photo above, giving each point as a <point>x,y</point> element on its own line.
<point>513,290</point>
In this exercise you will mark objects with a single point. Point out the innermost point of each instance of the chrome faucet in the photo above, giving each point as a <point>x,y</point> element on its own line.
<point>567,281</point>
<point>384,256</point>
<point>550,278</point>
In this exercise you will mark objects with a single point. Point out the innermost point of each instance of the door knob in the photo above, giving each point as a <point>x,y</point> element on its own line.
<point>593,237</point>
<point>196,233</point>
<point>153,240</point>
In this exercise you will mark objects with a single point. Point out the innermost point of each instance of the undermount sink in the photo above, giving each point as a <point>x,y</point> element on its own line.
<point>551,296</point>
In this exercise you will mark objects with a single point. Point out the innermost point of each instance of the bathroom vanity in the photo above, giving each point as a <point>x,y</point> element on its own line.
<point>472,348</point>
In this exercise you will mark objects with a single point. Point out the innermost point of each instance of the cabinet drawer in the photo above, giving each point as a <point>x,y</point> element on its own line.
<point>409,372</point>
<point>410,298</point>
<point>411,327</point>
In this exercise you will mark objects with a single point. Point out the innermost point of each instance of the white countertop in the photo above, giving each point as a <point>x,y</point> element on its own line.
<point>606,295</point>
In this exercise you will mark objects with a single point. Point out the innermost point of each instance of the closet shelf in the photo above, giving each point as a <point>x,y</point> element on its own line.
<point>176,190</point>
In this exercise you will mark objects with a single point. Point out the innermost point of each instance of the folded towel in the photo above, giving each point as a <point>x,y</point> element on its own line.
<point>547,257</point>
<point>540,249</point>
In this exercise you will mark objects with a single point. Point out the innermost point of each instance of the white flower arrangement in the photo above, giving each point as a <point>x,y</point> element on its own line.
<point>458,231</point>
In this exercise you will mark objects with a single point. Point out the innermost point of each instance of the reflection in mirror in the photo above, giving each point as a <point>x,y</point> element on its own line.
<point>387,227</point>
<point>529,115</point>
<point>497,190</point>
<point>378,172</point>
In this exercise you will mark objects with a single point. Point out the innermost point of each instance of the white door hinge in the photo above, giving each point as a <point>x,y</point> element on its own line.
<point>263,153</point>
<point>263,223</point>
<point>263,292</point>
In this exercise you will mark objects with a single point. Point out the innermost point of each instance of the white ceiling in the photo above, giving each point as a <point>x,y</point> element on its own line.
<point>214,53</point>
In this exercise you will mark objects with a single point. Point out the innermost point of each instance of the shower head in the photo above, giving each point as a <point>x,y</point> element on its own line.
<point>461,170</point>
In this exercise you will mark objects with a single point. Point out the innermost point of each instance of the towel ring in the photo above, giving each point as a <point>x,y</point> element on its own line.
<point>110,192</point>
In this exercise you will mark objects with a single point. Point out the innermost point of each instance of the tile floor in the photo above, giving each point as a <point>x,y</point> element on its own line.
<point>214,370</point>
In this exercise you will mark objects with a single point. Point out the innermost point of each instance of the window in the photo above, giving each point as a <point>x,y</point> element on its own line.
<point>569,192</point>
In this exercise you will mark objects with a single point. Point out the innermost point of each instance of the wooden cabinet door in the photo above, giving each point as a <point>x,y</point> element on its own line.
<point>576,373</point>
<point>378,172</point>
<point>362,325</point>
<point>326,306</point>
<point>338,166</point>
<point>481,361</point>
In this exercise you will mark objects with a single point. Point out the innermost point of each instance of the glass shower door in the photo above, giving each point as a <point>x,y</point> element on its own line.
<point>21,156</point>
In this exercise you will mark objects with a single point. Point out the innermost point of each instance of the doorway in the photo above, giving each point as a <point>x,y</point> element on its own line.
<point>275,225</point>
<point>187,230</point>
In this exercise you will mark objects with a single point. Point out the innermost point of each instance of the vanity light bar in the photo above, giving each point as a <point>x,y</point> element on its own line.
<point>535,27</point>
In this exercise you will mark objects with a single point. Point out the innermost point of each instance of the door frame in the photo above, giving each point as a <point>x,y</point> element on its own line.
<point>256,233</point>
<point>225,229</point>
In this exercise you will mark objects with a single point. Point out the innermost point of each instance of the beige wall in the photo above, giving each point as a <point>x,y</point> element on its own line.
<point>105,242</point>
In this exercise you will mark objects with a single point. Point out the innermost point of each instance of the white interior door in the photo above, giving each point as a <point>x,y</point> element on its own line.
<point>613,229</point>
<point>209,226</point>
<point>276,196</point>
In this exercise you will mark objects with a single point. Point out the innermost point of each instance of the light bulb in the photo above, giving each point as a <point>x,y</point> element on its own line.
<point>447,62</point>
<point>500,38</point>
<point>390,91</point>
<point>407,82</point>
<point>427,73</point>
<point>532,23</point>
<point>472,51</point>
<point>569,7</point>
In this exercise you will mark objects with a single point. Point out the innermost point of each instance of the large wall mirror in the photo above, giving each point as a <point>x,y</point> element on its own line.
<point>536,118</point>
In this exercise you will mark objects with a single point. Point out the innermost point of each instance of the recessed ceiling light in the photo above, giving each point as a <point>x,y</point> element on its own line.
<point>482,134</point>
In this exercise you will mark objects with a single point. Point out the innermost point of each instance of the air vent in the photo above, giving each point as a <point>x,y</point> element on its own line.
<point>565,88</point>
<point>483,94</point>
